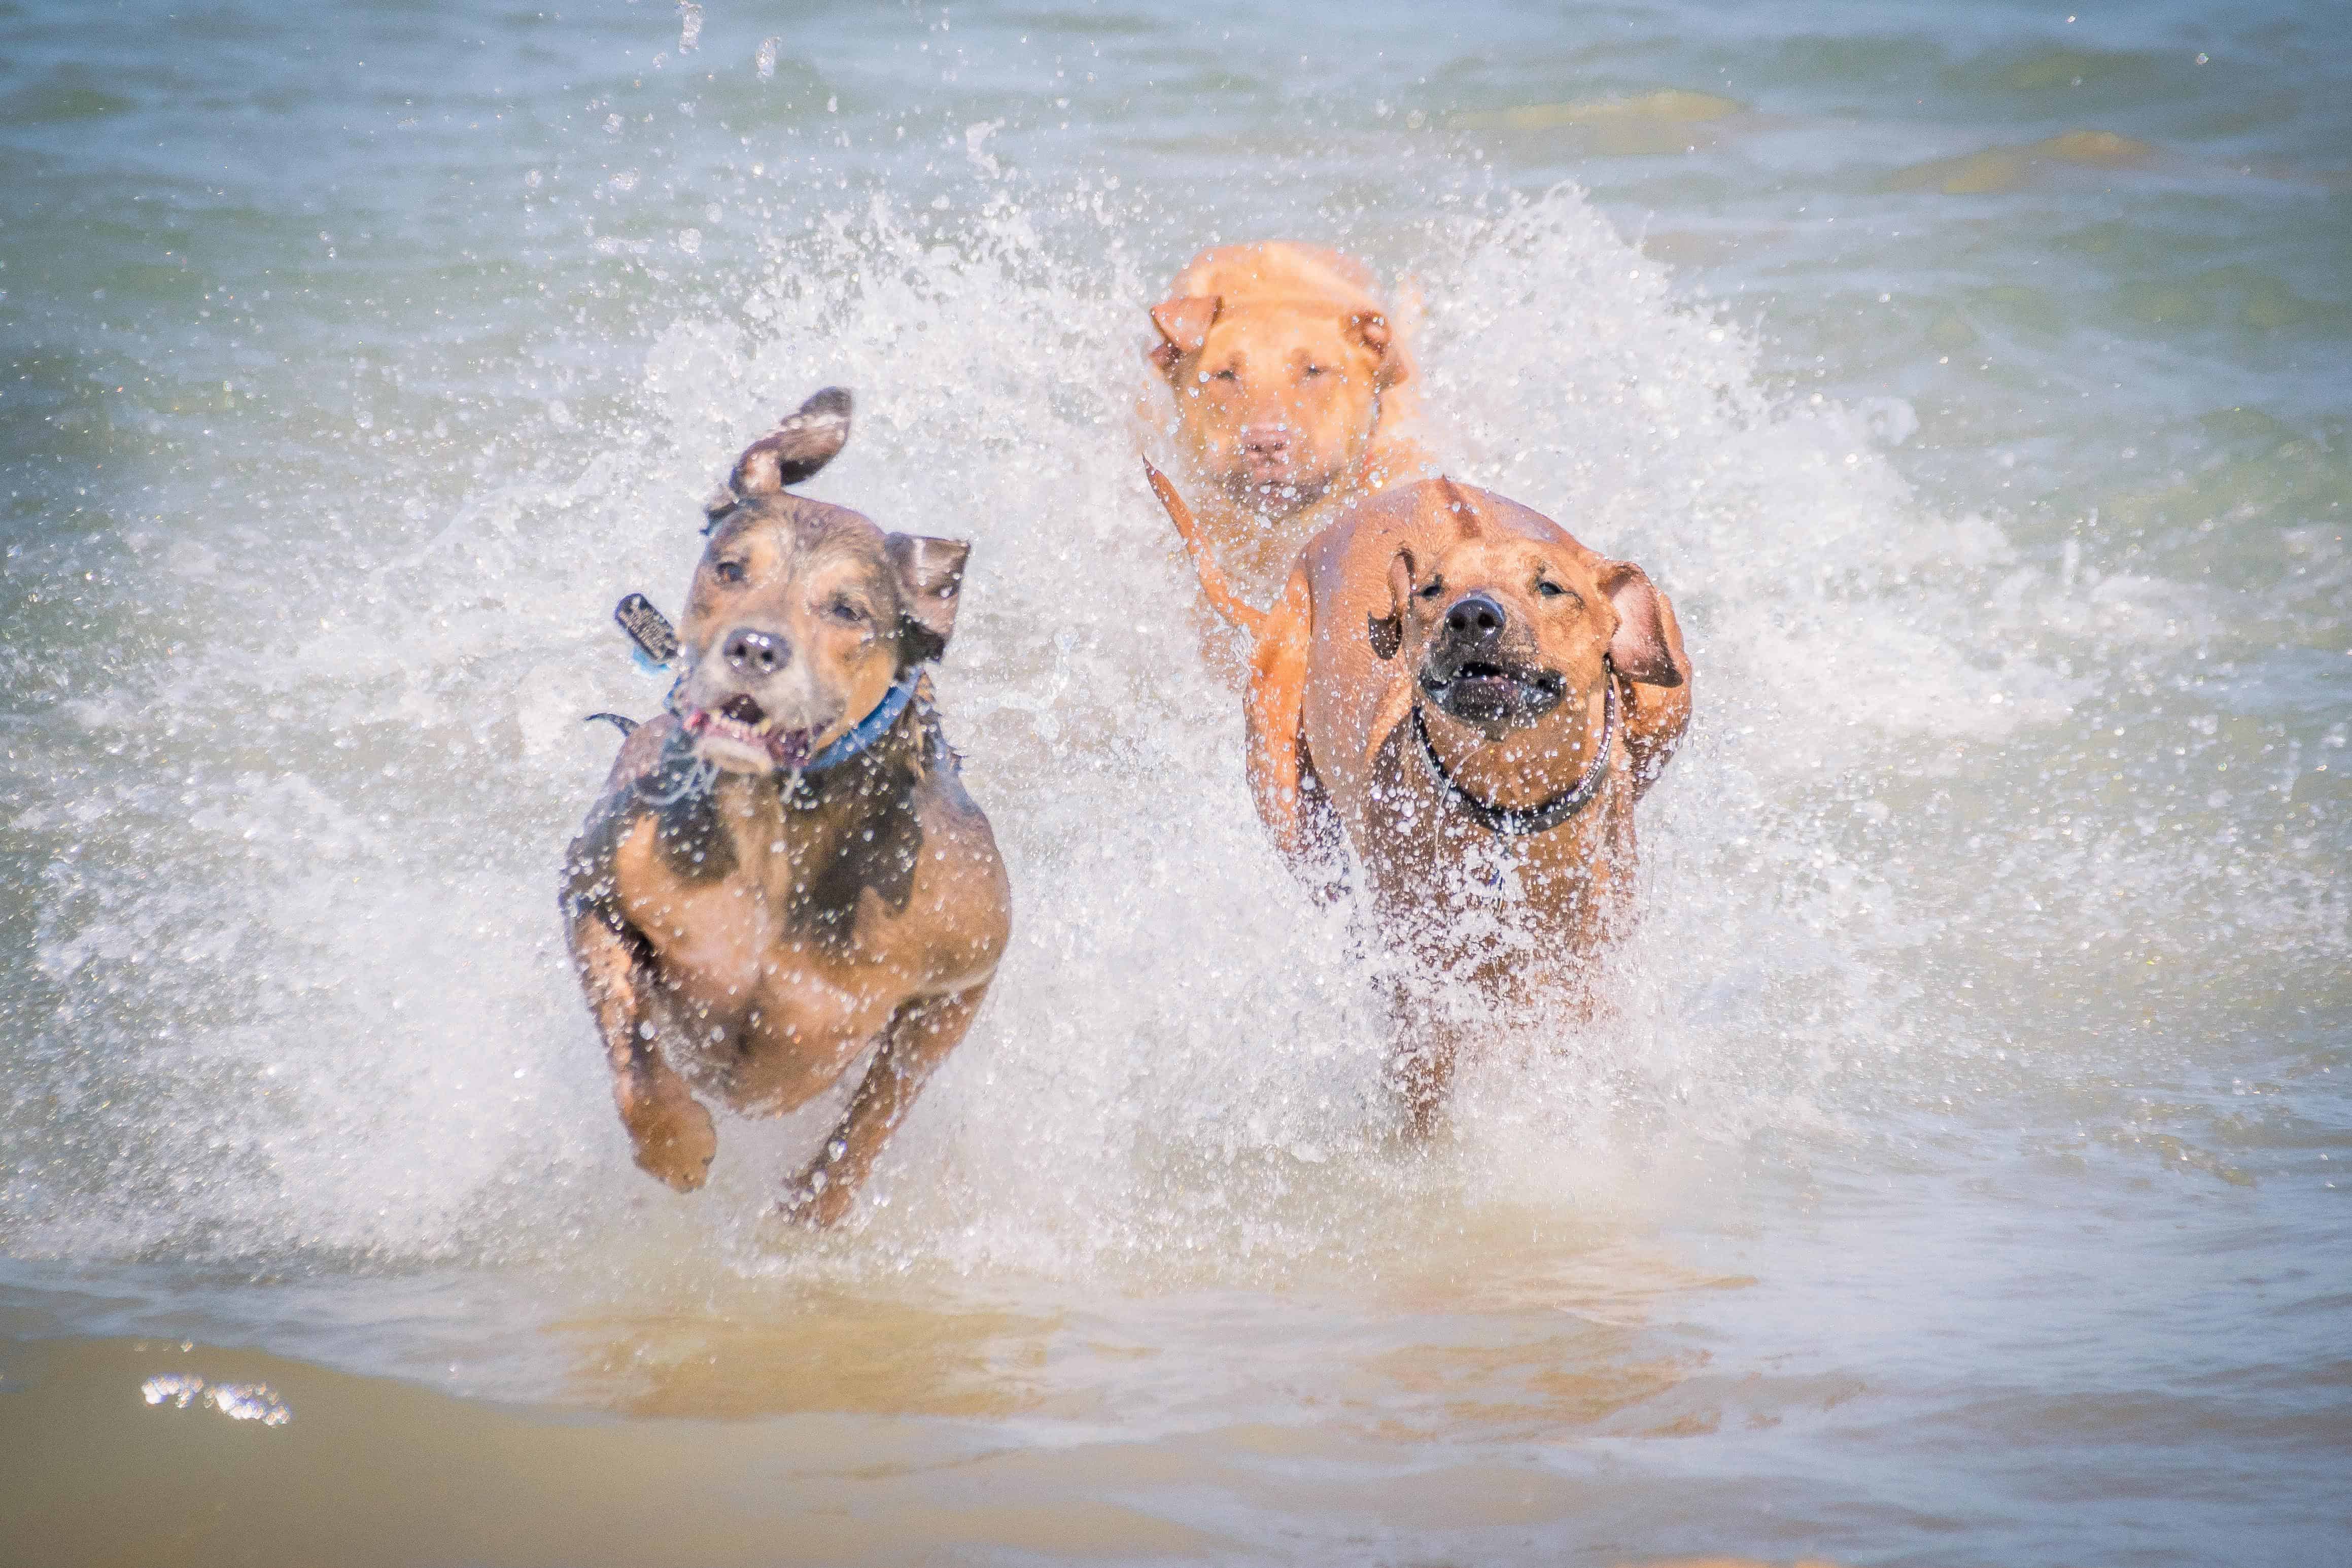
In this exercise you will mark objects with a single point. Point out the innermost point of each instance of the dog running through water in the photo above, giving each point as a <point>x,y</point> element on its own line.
<point>1294,396</point>
<point>1455,694</point>
<point>783,870</point>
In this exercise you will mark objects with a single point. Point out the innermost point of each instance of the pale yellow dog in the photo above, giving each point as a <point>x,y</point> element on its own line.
<point>1294,396</point>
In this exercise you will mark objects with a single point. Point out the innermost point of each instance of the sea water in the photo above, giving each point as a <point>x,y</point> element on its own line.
<point>1956,1174</point>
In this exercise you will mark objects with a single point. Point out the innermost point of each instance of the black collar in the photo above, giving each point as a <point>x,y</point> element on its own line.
<point>1512,823</point>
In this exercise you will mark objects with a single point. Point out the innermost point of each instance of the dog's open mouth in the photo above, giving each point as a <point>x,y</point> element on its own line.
<point>744,723</point>
<point>1484,693</point>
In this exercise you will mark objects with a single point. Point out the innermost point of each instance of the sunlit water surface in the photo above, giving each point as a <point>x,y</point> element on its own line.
<point>1956,1176</point>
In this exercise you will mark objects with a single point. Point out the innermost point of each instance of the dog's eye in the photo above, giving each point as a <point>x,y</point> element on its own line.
<point>1228,375</point>
<point>727,571</point>
<point>1437,586</point>
<point>1550,589</point>
<point>845,612</point>
<point>1316,370</point>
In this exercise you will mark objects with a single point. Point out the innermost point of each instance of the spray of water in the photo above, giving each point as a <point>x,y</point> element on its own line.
<point>300,987</point>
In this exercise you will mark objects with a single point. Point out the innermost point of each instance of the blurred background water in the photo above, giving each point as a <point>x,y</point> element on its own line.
<point>1958,1177</point>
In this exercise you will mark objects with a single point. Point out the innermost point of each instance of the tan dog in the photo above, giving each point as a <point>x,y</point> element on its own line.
<point>1293,397</point>
<point>785,869</point>
<point>1471,701</point>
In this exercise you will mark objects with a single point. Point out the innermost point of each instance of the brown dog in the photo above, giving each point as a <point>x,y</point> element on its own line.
<point>1291,379</point>
<point>785,869</point>
<point>1471,701</point>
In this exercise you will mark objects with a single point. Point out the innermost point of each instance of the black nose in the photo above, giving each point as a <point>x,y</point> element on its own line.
<point>1475,618</point>
<point>755,653</point>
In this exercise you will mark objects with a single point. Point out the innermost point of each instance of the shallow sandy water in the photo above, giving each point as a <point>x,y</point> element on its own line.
<point>1956,1178</point>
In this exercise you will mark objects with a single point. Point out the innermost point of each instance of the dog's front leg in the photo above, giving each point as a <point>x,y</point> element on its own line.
<point>672,1135</point>
<point>1423,1070</point>
<point>1423,1048</point>
<point>1290,800</point>
<point>919,1036</point>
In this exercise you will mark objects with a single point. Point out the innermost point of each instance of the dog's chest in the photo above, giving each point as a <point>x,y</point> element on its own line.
<point>753,952</point>
<point>1429,862</point>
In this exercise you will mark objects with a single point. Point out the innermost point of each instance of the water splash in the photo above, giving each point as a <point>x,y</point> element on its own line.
<point>301,987</point>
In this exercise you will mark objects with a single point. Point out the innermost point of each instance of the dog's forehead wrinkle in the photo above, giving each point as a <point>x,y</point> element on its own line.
<point>1278,326</point>
<point>859,547</point>
<point>736,527</point>
<point>809,533</point>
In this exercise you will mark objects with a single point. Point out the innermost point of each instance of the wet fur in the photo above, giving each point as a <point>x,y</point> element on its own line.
<point>748,933</point>
<point>1339,775</point>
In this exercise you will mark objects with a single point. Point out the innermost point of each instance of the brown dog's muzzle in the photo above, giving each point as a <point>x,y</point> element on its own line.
<point>1482,669</point>
<point>1271,463</point>
<point>734,701</point>
<point>1266,452</point>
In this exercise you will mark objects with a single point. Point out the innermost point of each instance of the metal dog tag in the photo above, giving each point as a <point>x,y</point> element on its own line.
<point>648,627</point>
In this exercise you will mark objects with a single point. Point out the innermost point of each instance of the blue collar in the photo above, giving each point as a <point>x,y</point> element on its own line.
<point>869,729</point>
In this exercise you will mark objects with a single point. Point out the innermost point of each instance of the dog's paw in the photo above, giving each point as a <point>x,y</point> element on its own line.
<point>675,1141</point>
<point>814,1198</point>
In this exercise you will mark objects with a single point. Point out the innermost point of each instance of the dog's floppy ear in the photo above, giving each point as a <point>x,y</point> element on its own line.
<point>1183,322</point>
<point>1370,329</point>
<point>930,579</point>
<point>1387,631</point>
<point>802,443</point>
<point>1639,649</point>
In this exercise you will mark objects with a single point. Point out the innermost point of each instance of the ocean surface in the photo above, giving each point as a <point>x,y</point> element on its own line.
<point>1960,1174</point>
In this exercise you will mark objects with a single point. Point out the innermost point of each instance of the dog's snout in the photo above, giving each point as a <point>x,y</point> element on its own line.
<point>1265,440</point>
<point>754,653</point>
<point>1475,618</point>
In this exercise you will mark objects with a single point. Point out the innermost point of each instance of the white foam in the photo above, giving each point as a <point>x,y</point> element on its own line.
<point>330,1000</point>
